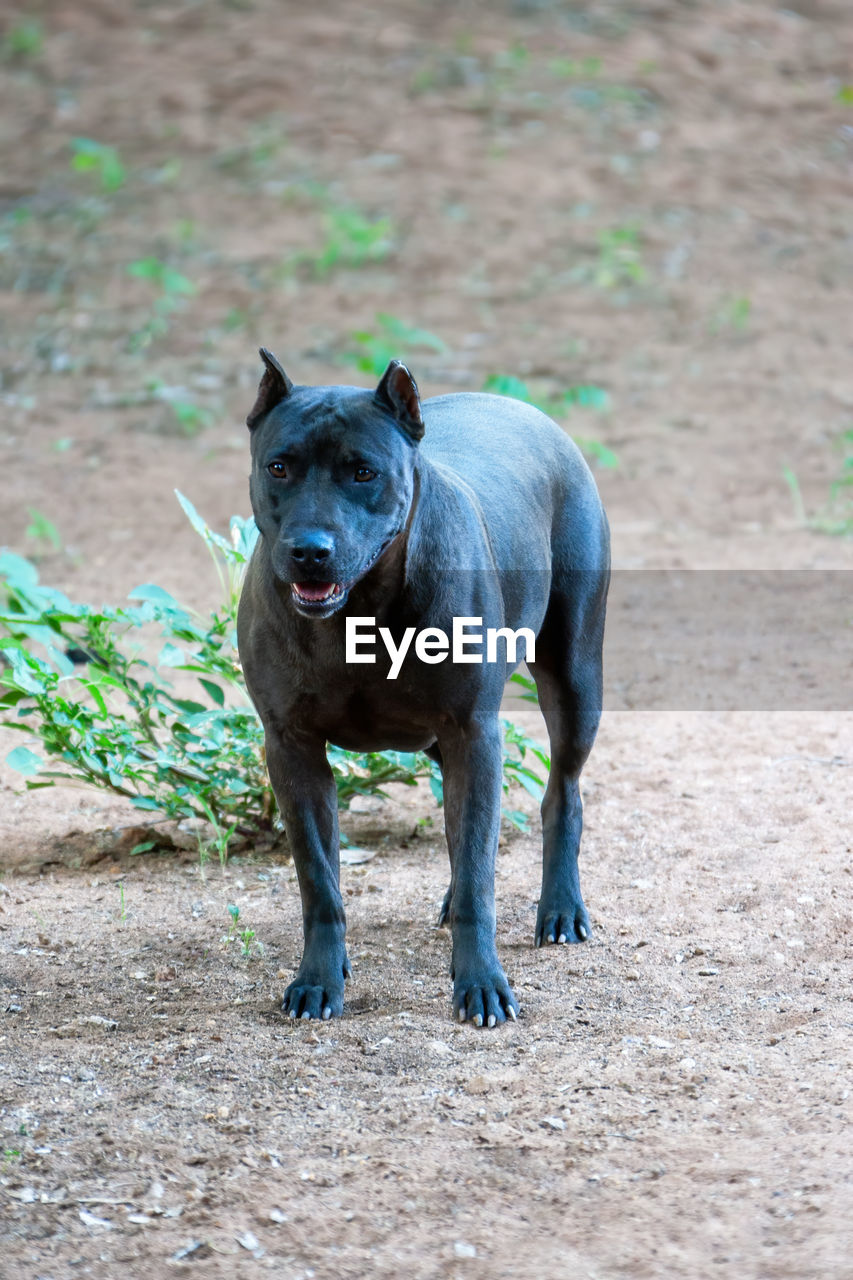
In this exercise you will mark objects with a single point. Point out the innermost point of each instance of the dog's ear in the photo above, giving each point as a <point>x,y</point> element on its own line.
<point>275,387</point>
<point>398,394</point>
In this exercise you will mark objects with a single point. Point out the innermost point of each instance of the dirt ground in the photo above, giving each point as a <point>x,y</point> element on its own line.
<point>653,198</point>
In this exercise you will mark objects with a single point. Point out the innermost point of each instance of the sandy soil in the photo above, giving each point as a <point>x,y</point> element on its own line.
<point>675,1098</point>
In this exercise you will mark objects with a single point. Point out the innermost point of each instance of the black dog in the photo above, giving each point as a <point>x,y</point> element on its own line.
<point>496,517</point>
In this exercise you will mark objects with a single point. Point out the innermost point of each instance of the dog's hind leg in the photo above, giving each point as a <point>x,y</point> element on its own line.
<point>568,675</point>
<point>434,753</point>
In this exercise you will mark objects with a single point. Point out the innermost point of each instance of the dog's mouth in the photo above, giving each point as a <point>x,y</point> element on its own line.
<point>322,599</point>
<point>318,596</point>
<point>317,592</point>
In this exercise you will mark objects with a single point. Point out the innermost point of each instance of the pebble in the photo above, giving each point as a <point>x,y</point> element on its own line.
<point>462,1249</point>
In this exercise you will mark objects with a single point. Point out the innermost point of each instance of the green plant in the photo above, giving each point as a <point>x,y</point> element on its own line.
<point>575,68</point>
<point>394,339</point>
<point>351,240</point>
<point>732,313</point>
<point>102,703</point>
<point>172,287</point>
<point>619,258</point>
<point>191,417</point>
<point>161,274</point>
<point>836,515</point>
<point>100,160</point>
<point>23,40</point>
<point>219,839</point>
<point>558,406</point>
<point>42,530</point>
<point>845,95</point>
<point>122,913</point>
<point>247,937</point>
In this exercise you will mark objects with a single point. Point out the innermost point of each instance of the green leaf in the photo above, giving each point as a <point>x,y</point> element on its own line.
<point>96,694</point>
<point>213,691</point>
<point>27,673</point>
<point>171,656</point>
<point>506,385</point>
<point>150,591</point>
<point>17,571</point>
<point>144,802</point>
<point>24,761</point>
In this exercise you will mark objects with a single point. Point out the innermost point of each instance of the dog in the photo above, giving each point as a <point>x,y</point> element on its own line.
<point>374,506</point>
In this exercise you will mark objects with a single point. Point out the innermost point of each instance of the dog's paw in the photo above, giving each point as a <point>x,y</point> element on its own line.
<point>484,1000</point>
<point>560,925</point>
<point>310,996</point>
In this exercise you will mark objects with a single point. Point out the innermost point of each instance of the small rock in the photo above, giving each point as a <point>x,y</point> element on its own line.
<point>26,1195</point>
<point>352,857</point>
<point>477,1085</point>
<point>91,1220</point>
<point>552,1122</point>
<point>462,1249</point>
<point>195,1249</point>
<point>95,1020</point>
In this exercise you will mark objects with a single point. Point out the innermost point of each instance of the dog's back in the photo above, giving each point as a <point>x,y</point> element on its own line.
<point>528,477</point>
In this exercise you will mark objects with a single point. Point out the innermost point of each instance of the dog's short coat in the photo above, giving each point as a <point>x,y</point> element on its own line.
<point>494,516</point>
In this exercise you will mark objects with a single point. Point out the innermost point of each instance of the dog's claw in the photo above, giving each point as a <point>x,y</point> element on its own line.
<point>568,923</point>
<point>492,1020</point>
<point>306,1017</point>
<point>462,1014</point>
<point>477,1020</point>
<point>510,1013</point>
<point>327,1013</point>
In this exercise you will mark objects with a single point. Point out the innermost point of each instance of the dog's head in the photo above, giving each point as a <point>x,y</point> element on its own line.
<point>332,478</point>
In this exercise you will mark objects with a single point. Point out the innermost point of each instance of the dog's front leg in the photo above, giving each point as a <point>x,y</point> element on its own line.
<point>471,765</point>
<point>305,790</point>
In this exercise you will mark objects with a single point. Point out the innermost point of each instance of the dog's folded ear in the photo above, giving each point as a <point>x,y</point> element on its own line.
<point>398,394</point>
<point>275,386</point>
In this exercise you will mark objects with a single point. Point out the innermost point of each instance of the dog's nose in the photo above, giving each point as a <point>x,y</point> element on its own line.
<point>311,549</point>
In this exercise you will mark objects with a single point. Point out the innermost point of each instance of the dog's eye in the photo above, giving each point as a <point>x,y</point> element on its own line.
<point>277,469</point>
<point>363,473</point>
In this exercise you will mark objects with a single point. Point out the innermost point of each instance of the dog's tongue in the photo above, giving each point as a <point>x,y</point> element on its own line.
<point>315,590</point>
